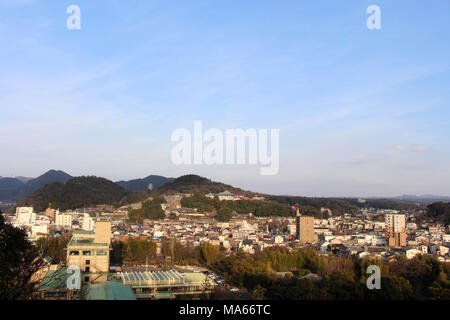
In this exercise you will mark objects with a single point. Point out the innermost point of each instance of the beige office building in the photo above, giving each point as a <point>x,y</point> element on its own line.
<point>305,228</point>
<point>89,250</point>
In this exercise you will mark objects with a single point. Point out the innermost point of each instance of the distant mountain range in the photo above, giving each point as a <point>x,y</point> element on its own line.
<point>82,192</point>
<point>66,192</point>
<point>24,179</point>
<point>13,189</point>
<point>10,188</point>
<point>423,199</point>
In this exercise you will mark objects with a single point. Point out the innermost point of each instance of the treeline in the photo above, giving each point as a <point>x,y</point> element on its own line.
<point>224,208</point>
<point>139,251</point>
<point>385,204</point>
<point>440,211</point>
<point>151,209</point>
<point>341,277</point>
<point>133,251</point>
<point>339,206</point>
<point>54,247</point>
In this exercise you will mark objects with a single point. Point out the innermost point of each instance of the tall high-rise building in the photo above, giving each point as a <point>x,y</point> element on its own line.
<point>305,228</point>
<point>395,230</point>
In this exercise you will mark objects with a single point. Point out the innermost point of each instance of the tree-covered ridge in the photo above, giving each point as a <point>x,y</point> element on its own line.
<point>77,193</point>
<point>340,206</point>
<point>309,206</point>
<point>196,184</point>
<point>224,208</point>
<point>440,211</point>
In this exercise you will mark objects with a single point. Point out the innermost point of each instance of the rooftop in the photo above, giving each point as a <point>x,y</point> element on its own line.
<point>110,290</point>
<point>55,279</point>
<point>75,241</point>
<point>162,278</point>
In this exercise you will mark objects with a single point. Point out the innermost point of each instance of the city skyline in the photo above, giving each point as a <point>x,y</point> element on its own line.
<point>361,112</point>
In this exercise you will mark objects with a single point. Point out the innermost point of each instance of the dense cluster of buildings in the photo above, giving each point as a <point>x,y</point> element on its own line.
<point>385,234</point>
<point>370,232</point>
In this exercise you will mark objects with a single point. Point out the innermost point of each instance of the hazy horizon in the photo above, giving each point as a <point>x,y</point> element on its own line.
<point>230,183</point>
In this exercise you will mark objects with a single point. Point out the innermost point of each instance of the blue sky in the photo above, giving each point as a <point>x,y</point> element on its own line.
<point>360,112</point>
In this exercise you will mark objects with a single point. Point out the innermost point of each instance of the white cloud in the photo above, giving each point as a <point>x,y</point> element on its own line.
<point>418,148</point>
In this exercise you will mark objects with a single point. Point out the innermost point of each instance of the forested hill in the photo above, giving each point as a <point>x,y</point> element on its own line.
<point>78,193</point>
<point>440,211</point>
<point>340,206</point>
<point>196,184</point>
<point>87,191</point>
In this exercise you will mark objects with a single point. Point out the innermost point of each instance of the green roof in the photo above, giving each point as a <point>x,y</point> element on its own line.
<point>55,279</point>
<point>164,295</point>
<point>110,290</point>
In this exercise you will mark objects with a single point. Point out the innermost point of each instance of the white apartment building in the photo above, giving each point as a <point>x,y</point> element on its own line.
<point>88,223</point>
<point>25,216</point>
<point>63,220</point>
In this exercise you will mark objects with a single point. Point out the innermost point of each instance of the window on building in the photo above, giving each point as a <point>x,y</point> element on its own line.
<point>87,253</point>
<point>74,253</point>
<point>101,252</point>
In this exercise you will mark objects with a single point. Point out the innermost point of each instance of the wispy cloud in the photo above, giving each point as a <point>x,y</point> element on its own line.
<point>418,148</point>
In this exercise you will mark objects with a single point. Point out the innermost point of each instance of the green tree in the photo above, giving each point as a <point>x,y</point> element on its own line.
<point>137,250</point>
<point>54,247</point>
<point>224,214</point>
<point>19,261</point>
